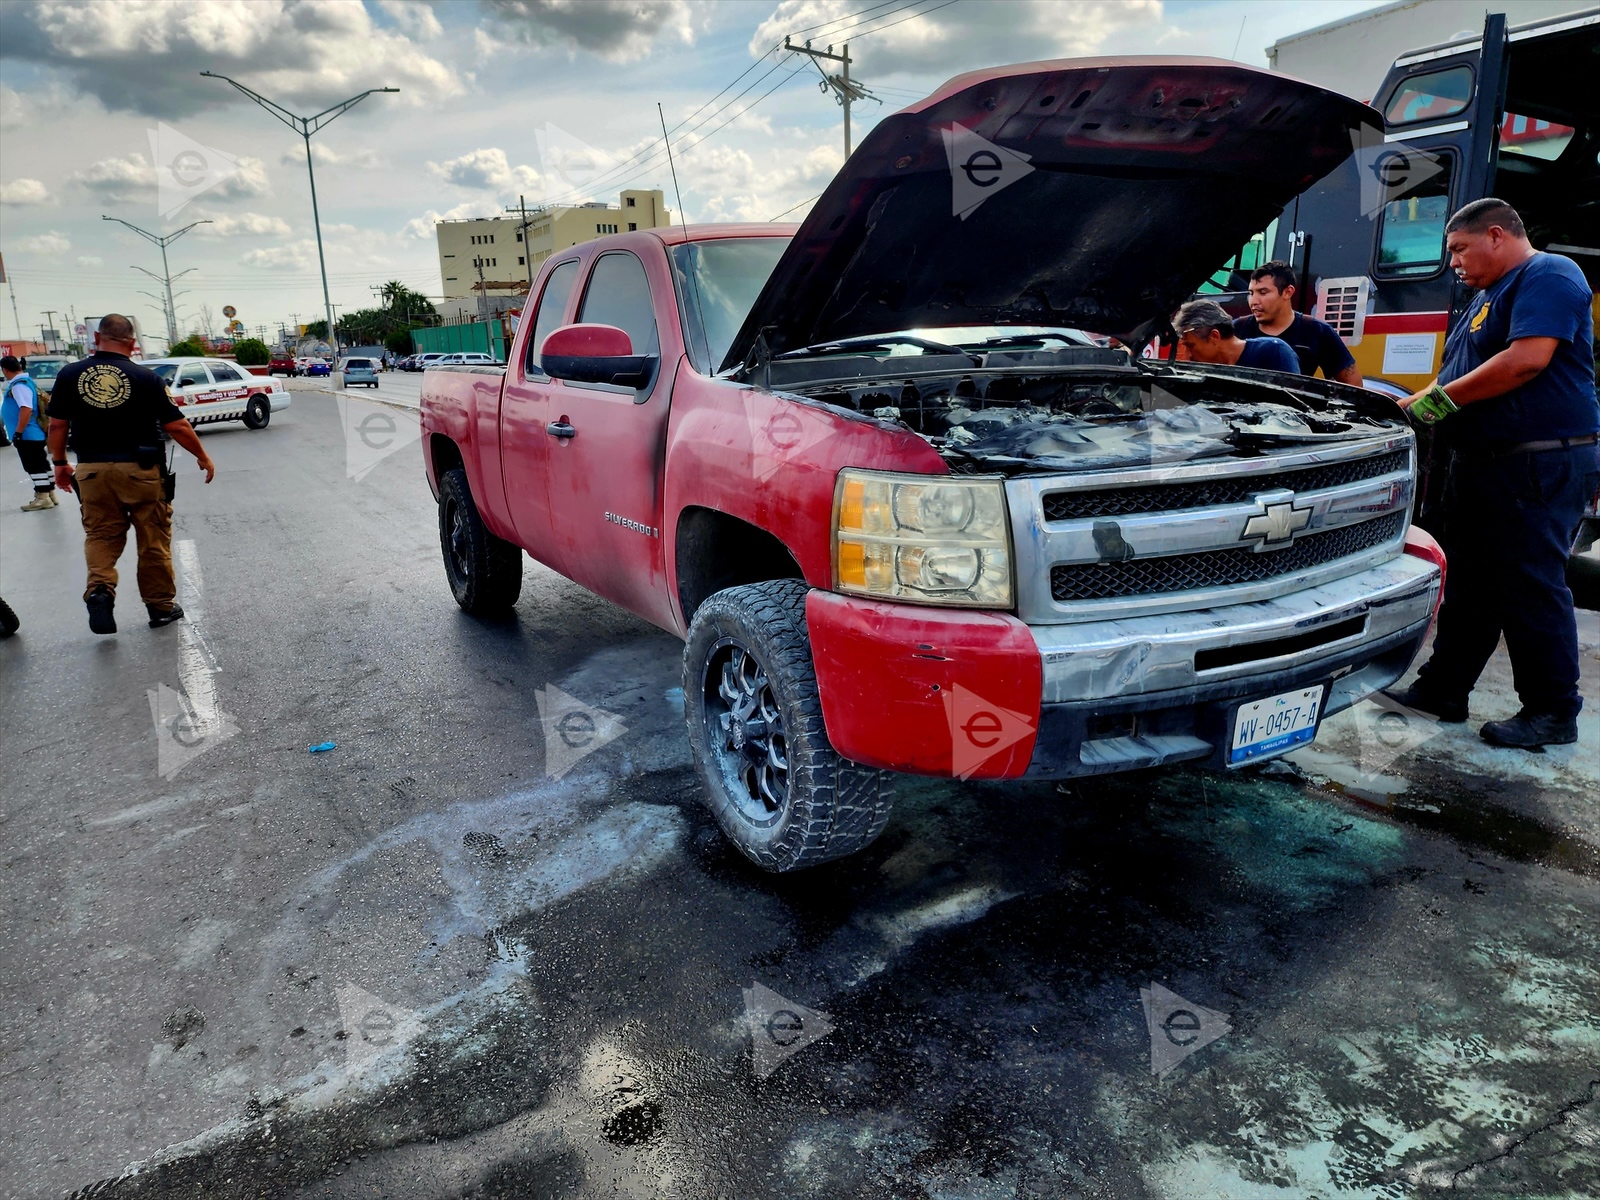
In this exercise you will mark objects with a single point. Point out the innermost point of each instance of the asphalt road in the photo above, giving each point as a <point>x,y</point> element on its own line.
<point>466,953</point>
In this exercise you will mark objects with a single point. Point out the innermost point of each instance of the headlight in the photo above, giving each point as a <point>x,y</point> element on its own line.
<point>931,539</point>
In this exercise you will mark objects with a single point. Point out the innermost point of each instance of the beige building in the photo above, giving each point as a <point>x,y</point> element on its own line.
<point>508,262</point>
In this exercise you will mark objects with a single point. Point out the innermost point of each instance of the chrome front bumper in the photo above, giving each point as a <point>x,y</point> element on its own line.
<point>1123,694</point>
<point>1116,659</point>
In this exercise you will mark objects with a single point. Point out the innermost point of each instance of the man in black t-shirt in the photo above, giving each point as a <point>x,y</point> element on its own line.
<point>1315,343</point>
<point>117,411</point>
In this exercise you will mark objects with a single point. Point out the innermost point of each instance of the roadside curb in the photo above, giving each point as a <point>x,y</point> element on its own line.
<point>374,398</point>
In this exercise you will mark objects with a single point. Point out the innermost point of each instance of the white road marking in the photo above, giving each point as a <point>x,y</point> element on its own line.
<point>197,666</point>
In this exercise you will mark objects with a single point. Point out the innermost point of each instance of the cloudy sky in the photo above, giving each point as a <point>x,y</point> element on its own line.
<point>554,100</point>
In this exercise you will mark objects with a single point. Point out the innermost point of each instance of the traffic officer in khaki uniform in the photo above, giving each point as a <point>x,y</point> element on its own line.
<point>116,409</point>
<point>1515,404</point>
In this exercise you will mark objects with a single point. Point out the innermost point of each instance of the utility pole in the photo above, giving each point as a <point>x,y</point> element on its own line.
<point>166,271</point>
<point>22,333</point>
<point>49,315</point>
<point>845,90</point>
<point>305,127</point>
<point>527,249</point>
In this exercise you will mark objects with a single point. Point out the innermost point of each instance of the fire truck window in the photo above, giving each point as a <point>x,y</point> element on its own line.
<point>1411,229</point>
<point>1533,138</point>
<point>1430,97</point>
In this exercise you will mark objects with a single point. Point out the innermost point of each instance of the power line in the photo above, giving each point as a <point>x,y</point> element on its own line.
<point>646,159</point>
<point>792,207</point>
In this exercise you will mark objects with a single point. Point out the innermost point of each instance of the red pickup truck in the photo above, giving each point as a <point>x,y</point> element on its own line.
<point>907,515</point>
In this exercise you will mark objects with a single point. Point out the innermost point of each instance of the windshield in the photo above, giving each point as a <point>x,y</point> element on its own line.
<point>42,371</point>
<point>718,281</point>
<point>167,371</point>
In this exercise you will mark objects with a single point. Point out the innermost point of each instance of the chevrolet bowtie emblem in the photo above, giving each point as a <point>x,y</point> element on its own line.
<point>1277,524</point>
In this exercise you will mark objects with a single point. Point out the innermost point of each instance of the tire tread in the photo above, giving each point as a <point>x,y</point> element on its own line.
<point>846,805</point>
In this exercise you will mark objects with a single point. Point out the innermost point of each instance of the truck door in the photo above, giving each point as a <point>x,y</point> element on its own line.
<point>524,417</point>
<point>607,445</point>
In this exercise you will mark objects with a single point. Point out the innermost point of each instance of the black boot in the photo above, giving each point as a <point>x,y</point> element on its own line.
<point>164,616</point>
<point>1420,698</point>
<point>100,604</point>
<point>1531,731</point>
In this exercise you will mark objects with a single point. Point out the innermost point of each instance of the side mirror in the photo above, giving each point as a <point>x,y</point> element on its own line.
<point>595,354</point>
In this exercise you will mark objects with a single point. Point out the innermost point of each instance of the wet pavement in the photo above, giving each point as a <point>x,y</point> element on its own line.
<point>488,947</point>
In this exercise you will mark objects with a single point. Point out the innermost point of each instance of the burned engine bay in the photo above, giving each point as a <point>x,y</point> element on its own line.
<point>1087,409</point>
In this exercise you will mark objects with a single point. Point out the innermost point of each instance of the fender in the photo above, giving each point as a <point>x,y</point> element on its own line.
<point>464,406</point>
<point>771,460</point>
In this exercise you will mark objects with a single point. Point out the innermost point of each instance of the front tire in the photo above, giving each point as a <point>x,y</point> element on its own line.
<point>257,413</point>
<point>773,781</point>
<point>485,572</point>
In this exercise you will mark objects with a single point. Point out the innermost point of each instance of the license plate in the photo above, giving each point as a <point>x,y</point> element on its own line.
<point>1276,724</point>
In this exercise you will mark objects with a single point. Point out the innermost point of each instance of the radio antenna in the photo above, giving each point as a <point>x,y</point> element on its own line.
<point>691,275</point>
<point>677,191</point>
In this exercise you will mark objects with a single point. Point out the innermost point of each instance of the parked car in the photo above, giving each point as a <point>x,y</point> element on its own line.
<point>208,389</point>
<point>43,369</point>
<point>359,371</point>
<point>429,358</point>
<point>903,516</point>
<point>465,359</point>
<point>281,363</point>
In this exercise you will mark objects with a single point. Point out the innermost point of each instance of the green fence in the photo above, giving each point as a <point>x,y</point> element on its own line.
<point>457,339</point>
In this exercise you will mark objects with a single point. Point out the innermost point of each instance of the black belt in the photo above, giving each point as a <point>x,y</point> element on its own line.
<point>1539,447</point>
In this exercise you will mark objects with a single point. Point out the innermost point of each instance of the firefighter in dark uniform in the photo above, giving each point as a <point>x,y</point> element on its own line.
<point>1515,403</point>
<point>116,410</point>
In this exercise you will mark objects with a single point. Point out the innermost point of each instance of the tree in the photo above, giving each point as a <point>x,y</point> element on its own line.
<point>398,342</point>
<point>251,352</point>
<point>190,347</point>
<point>317,329</point>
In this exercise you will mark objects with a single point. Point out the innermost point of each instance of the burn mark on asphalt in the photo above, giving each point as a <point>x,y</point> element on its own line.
<point>999,1049</point>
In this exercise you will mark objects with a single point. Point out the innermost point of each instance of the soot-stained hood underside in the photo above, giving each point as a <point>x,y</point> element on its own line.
<point>1095,193</point>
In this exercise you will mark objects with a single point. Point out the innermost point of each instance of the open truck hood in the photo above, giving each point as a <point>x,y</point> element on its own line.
<point>1095,193</point>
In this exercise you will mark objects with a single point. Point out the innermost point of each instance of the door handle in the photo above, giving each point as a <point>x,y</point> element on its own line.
<point>560,429</point>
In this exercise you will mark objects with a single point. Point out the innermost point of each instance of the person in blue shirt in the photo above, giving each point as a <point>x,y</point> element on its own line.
<point>19,411</point>
<point>1205,334</point>
<point>1515,405</point>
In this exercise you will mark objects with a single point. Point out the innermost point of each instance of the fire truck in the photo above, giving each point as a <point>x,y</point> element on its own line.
<point>1514,113</point>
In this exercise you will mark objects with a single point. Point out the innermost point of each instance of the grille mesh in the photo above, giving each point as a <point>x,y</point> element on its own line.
<point>1162,497</point>
<point>1217,568</point>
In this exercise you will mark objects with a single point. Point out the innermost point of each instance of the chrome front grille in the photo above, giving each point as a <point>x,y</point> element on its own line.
<point>1219,568</point>
<point>1125,543</point>
<point>1202,493</point>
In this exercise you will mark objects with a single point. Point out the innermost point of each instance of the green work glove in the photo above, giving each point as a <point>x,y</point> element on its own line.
<point>1433,406</point>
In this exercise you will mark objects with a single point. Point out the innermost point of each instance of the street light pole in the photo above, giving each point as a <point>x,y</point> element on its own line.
<point>305,127</point>
<point>166,272</point>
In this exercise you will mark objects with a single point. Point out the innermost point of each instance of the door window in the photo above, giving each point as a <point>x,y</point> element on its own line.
<point>1411,228</point>
<point>619,295</point>
<point>193,376</point>
<point>224,372</point>
<point>552,308</point>
<point>1430,97</point>
<point>1533,138</point>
